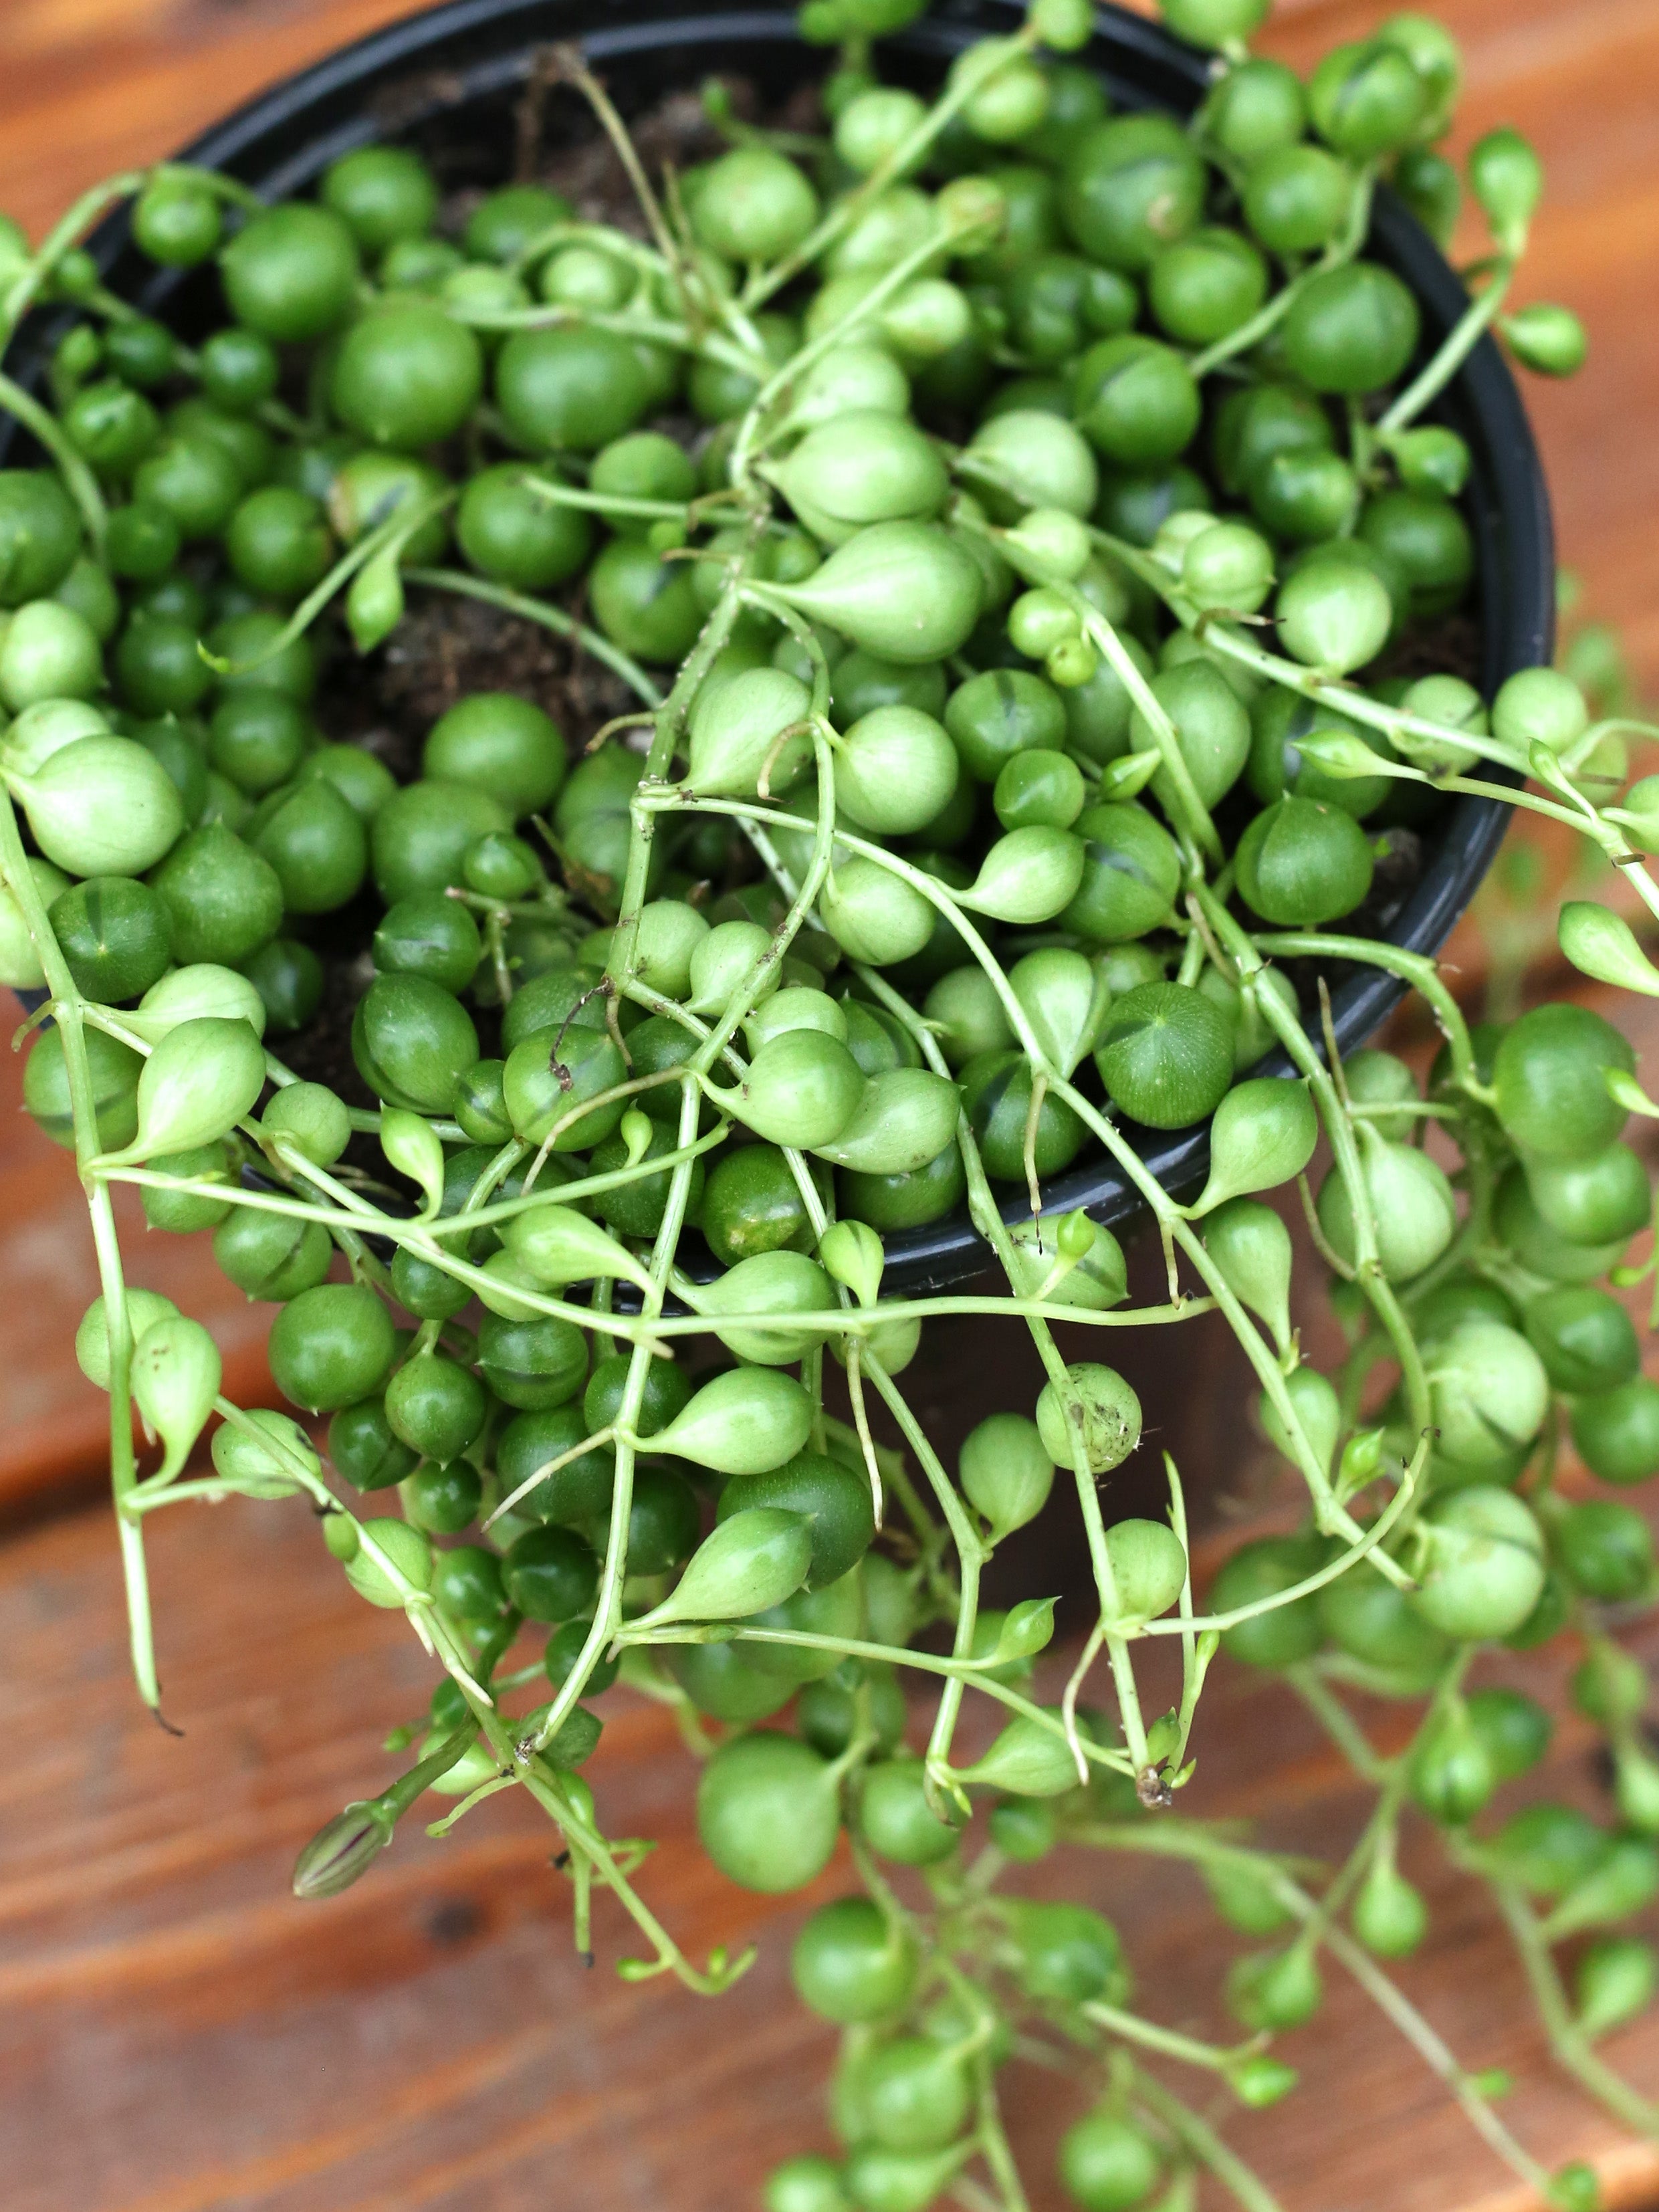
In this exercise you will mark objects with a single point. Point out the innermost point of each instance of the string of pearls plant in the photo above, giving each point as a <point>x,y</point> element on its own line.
<point>994,616</point>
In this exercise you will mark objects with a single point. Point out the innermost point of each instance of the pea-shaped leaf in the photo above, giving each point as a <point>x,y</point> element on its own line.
<point>755,1560</point>
<point>1097,1280</point>
<point>852,1252</point>
<point>1263,1134</point>
<point>776,1285</point>
<point>896,769</point>
<point>1625,1091</point>
<point>1095,1405</point>
<point>394,1561</point>
<point>743,1423</point>
<point>905,590</point>
<point>1479,1563</point>
<point>803,1088</point>
<point>1149,1567</point>
<point>374,604</point>
<point>904,1118</point>
<point>1251,1248</point>
<point>176,1371</point>
<point>1615,1982</point>
<point>1027,1630</point>
<point>1027,876</point>
<point>265,1465</point>
<point>1005,1471</point>
<point>872,914</point>
<point>102,806</point>
<point>752,727</point>
<point>1414,1206</point>
<point>851,376</point>
<point>868,466</point>
<point>197,1085</point>
<point>1128,775</point>
<point>1639,818</point>
<point>556,1245</point>
<point>1625,1881</point>
<point>669,934</point>
<point>1598,943</point>
<point>1313,1399</point>
<point>905,2180</point>
<point>573,1742</point>
<point>1345,755</point>
<point>1064,998</point>
<point>1027,1760</point>
<point>409,1143</point>
<point>92,1337</point>
<point>723,962</point>
<point>192,994</point>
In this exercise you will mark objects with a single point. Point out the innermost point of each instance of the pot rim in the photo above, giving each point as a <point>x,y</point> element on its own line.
<point>438,62</point>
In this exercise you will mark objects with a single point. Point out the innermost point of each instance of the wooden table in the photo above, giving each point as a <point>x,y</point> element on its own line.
<point>180,2035</point>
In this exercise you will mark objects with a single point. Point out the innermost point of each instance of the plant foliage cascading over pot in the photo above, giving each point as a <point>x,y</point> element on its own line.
<point>995,516</point>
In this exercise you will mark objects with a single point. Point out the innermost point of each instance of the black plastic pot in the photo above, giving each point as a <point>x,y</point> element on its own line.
<point>448,80</point>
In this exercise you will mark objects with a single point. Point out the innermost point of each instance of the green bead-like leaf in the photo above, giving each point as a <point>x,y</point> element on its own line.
<point>1616,1980</point>
<point>1625,1091</point>
<point>1027,1630</point>
<point>747,1422</point>
<point>1263,1134</point>
<point>195,993</point>
<point>197,1083</point>
<point>1623,1882</point>
<point>1027,1759</point>
<point>1251,1247</point>
<point>1128,775</point>
<point>410,1145</point>
<point>852,1253</point>
<point>176,1372</point>
<point>755,1560</point>
<point>1599,943</point>
<point>1064,998</point>
<point>556,1245</point>
<point>1345,755</point>
<point>92,1337</point>
<point>259,1469</point>
<point>374,604</point>
<point>1261,2080</point>
<point>904,1117</point>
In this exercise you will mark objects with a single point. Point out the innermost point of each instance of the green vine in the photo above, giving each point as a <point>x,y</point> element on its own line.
<point>718,959</point>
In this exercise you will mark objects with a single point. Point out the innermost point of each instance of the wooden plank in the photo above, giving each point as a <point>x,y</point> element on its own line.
<point>111,85</point>
<point>88,85</point>
<point>177,2035</point>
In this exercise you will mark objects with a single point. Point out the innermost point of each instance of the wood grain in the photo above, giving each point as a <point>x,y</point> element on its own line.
<point>178,2034</point>
<point>86,85</point>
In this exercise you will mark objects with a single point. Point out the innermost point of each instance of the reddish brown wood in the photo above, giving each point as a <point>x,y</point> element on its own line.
<point>177,2035</point>
<point>86,85</point>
